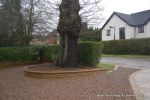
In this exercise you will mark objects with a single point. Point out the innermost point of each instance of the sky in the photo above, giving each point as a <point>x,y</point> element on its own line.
<point>124,6</point>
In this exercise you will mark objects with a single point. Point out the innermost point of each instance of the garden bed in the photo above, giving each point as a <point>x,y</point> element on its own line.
<point>51,71</point>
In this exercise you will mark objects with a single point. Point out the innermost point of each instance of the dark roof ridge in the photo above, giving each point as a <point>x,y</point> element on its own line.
<point>133,19</point>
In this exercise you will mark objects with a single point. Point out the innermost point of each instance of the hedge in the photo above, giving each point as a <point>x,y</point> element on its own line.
<point>16,54</point>
<point>133,46</point>
<point>28,53</point>
<point>50,53</point>
<point>89,53</point>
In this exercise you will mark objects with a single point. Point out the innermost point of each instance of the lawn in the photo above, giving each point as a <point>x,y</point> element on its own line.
<point>129,56</point>
<point>108,66</point>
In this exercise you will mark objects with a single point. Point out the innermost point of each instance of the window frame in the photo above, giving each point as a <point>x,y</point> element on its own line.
<point>108,32</point>
<point>122,33</point>
<point>141,29</point>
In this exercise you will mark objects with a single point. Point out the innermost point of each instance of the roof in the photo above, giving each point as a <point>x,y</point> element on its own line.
<point>134,19</point>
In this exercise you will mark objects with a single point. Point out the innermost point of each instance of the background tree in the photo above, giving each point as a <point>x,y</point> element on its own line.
<point>4,29</point>
<point>91,12</point>
<point>19,20</point>
<point>90,34</point>
<point>28,20</point>
<point>37,17</point>
<point>11,22</point>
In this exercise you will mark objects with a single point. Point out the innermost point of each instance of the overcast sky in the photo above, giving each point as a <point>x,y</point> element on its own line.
<point>124,6</point>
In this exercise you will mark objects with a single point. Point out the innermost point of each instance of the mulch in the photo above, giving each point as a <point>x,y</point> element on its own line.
<point>14,85</point>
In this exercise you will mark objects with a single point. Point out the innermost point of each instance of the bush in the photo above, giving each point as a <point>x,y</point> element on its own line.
<point>134,46</point>
<point>28,53</point>
<point>89,53</point>
<point>16,54</point>
<point>50,52</point>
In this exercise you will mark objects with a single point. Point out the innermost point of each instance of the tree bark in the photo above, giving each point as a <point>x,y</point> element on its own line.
<point>72,57</point>
<point>63,51</point>
<point>68,55</point>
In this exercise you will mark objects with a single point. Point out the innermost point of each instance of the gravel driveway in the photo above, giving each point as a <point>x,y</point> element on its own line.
<point>99,86</point>
<point>130,63</point>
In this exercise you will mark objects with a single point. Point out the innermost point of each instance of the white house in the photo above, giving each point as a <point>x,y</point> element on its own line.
<point>125,26</point>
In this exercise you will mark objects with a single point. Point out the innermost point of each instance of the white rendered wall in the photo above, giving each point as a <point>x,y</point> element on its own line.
<point>116,22</point>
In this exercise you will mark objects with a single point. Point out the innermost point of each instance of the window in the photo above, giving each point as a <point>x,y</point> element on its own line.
<point>122,33</point>
<point>141,29</point>
<point>108,32</point>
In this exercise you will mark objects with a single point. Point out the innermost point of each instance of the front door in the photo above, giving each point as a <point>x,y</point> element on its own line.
<point>122,33</point>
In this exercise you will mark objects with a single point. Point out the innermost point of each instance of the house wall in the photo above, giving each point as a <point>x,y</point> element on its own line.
<point>146,33</point>
<point>116,22</point>
<point>53,38</point>
<point>148,29</point>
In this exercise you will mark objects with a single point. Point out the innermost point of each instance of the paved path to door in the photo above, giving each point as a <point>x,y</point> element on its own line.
<point>130,63</point>
<point>140,81</point>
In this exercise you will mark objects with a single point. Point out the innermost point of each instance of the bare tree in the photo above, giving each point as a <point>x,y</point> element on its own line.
<point>90,12</point>
<point>37,17</point>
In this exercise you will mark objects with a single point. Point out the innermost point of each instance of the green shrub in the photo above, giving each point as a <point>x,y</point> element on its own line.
<point>16,54</point>
<point>28,53</point>
<point>89,53</point>
<point>50,52</point>
<point>133,46</point>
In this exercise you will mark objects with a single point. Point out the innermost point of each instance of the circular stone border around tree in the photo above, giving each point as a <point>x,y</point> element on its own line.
<point>51,71</point>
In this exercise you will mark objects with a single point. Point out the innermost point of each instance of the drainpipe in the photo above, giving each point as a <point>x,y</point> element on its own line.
<point>134,32</point>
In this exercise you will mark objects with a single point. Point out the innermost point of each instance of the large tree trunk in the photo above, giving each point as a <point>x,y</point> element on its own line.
<point>63,51</point>
<point>68,56</point>
<point>72,57</point>
<point>69,27</point>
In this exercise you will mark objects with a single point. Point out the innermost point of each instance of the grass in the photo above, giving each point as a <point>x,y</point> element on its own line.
<point>129,56</point>
<point>107,66</point>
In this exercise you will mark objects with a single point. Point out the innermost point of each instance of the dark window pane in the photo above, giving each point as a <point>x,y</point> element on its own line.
<point>122,32</point>
<point>141,29</point>
<point>108,32</point>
